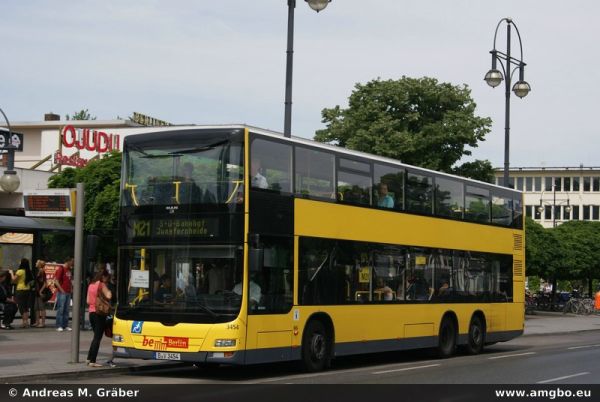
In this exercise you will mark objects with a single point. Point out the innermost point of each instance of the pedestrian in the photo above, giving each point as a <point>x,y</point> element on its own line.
<point>64,286</point>
<point>41,292</point>
<point>25,281</point>
<point>98,289</point>
<point>9,306</point>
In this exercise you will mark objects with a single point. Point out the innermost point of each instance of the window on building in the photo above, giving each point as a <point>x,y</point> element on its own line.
<point>548,212</point>
<point>575,184</point>
<point>537,184</point>
<point>529,184</point>
<point>575,212</point>
<point>528,209</point>
<point>586,212</point>
<point>520,183</point>
<point>586,183</point>
<point>566,213</point>
<point>595,183</point>
<point>595,212</point>
<point>548,184</point>
<point>567,184</point>
<point>557,184</point>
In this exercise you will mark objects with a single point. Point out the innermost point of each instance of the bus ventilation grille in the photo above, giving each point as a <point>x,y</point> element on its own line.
<point>518,268</point>
<point>517,242</point>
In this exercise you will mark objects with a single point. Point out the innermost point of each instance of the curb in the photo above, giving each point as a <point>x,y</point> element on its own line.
<point>89,373</point>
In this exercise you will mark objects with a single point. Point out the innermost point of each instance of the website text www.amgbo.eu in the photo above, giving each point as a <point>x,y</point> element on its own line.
<point>552,393</point>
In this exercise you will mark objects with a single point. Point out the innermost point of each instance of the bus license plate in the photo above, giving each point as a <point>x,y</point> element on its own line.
<point>167,356</point>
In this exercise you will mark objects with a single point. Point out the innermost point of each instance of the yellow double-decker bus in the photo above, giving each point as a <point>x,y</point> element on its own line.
<point>240,246</point>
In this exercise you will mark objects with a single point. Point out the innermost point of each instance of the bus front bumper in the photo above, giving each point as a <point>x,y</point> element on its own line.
<point>235,358</point>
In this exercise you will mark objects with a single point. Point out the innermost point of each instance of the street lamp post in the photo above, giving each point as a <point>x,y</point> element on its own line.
<point>494,77</point>
<point>316,5</point>
<point>9,181</point>
<point>554,204</point>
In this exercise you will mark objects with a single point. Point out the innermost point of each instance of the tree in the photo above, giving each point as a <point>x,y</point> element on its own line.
<point>102,180</point>
<point>83,114</point>
<point>418,121</point>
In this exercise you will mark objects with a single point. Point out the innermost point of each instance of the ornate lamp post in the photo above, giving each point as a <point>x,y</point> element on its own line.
<point>9,181</point>
<point>316,5</point>
<point>494,77</point>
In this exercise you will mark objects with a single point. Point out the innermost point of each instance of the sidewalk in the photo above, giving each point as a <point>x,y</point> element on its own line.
<point>32,353</point>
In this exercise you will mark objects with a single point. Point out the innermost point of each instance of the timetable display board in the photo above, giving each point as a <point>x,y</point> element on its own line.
<point>49,203</point>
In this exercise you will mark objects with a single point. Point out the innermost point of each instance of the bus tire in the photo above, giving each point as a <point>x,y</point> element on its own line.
<point>476,337</point>
<point>316,350</point>
<point>446,338</point>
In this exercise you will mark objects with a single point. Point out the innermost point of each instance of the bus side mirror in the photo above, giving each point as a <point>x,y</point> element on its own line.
<point>255,259</point>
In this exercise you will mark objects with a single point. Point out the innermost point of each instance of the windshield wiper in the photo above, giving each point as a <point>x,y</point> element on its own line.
<point>204,308</point>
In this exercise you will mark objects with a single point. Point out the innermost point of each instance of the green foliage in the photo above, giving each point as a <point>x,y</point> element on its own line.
<point>102,179</point>
<point>569,251</point>
<point>477,170</point>
<point>83,114</point>
<point>418,121</point>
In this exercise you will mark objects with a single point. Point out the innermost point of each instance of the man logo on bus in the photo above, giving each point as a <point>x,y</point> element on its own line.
<point>136,327</point>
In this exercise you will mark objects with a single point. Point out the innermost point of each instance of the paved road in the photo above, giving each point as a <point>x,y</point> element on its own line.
<point>548,359</point>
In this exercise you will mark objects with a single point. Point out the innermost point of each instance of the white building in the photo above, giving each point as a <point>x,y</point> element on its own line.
<point>554,195</point>
<point>52,144</point>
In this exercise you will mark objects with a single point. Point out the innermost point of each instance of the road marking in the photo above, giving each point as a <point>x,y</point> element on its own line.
<point>583,347</point>
<point>563,378</point>
<point>405,369</point>
<point>515,355</point>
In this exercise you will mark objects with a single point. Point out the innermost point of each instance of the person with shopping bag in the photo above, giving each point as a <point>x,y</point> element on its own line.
<point>98,300</point>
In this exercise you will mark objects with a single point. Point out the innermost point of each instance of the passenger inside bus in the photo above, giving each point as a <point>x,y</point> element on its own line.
<point>254,290</point>
<point>383,291</point>
<point>384,199</point>
<point>164,294</point>
<point>258,180</point>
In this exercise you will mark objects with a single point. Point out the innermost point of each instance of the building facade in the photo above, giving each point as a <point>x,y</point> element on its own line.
<point>553,195</point>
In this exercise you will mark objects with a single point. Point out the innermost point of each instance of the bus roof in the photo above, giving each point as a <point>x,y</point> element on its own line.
<point>312,143</point>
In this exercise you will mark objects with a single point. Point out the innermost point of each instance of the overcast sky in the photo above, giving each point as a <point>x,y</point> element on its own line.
<point>207,62</point>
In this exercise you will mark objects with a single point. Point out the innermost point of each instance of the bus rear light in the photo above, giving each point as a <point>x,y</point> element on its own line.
<point>225,343</point>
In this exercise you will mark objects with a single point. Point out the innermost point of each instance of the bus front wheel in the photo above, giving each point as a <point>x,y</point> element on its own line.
<point>315,347</point>
<point>447,338</point>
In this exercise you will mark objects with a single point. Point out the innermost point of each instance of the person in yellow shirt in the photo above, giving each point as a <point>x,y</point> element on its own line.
<point>24,280</point>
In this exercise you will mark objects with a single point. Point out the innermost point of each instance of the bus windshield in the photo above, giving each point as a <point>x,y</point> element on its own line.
<point>182,284</point>
<point>200,171</point>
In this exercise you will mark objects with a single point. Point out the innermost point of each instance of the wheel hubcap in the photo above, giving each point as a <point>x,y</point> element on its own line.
<point>318,346</point>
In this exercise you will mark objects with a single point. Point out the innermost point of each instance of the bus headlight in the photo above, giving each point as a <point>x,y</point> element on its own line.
<point>225,343</point>
<point>117,338</point>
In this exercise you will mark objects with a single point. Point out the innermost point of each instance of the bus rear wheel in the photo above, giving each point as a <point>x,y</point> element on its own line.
<point>315,347</point>
<point>446,338</point>
<point>476,336</point>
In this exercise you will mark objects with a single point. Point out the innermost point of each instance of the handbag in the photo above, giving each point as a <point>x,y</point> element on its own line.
<point>108,328</point>
<point>46,294</point>
<point>102,305</point>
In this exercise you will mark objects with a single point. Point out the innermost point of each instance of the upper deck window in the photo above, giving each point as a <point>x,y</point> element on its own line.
<point>194,172</point>
<point>314,173</point>
<point>271,165</point>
